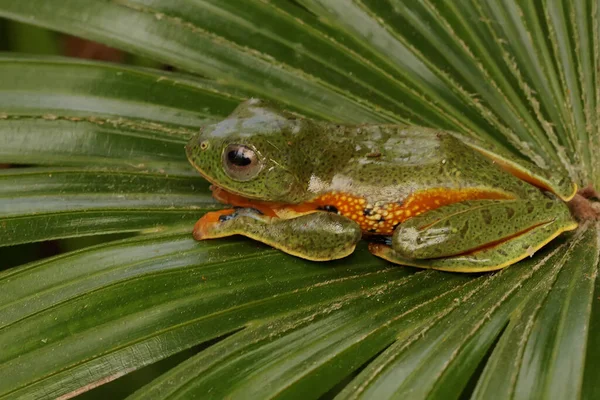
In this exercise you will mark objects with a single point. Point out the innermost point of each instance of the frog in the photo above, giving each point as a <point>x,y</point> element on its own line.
<point>421,196</point>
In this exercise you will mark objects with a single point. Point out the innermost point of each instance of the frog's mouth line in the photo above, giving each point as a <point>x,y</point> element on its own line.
<point>268,208</point>
<point>236,199</point>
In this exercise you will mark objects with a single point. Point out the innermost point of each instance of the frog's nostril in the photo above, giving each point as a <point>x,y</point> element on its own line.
<point>189,147</point>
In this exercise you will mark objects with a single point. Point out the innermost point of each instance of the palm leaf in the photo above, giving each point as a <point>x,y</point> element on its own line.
<point>104,145</point>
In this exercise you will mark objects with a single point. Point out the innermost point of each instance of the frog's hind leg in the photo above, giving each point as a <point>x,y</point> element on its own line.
<point>318,236</point>
<point>464,227</point>
<point>487,259</point>
<point>477,236</point>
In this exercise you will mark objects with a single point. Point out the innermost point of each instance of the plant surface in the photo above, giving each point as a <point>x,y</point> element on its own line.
<point>103,146</point>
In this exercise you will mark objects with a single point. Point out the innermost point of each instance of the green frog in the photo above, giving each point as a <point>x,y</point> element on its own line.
<point>424,197</point>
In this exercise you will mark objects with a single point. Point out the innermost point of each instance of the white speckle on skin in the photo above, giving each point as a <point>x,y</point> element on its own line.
<point>316,184</point>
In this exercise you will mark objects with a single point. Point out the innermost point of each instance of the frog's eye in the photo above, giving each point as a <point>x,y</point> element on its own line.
<point>241,162</point>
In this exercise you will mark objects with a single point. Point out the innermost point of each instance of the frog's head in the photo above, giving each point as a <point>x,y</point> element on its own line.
<point>249,154</point>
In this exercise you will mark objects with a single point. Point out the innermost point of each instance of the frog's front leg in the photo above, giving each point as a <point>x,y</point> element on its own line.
<point>476,236</point>
<point>319,236</point>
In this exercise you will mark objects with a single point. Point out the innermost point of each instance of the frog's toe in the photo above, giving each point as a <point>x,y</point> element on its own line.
<point>384,251</point>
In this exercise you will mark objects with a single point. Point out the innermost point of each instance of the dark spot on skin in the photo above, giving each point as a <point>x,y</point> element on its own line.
<point>502,252</point>
<point>549,205</point>
<point>530,208</point>
<point>223,218</point>
<point>464,230</point>
<point>509,212</point>
<point>380,239</point>
<point>374,154</point>
<point>487,217</point>
<point>394,181</point>
<point>328,208</point>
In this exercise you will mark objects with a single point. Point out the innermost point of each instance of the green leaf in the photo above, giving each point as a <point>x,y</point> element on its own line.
<point>102,114</point>
<point>546,345</point>
<point>123,128</point>
<point>100,149</point>
<point>136,27</point>
<point>40,204</point>
<point>193,292</point>
<point>31,39</point>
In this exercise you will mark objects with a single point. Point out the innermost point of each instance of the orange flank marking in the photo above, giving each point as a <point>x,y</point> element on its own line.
<point>381,219</point>
<point>378,218</point>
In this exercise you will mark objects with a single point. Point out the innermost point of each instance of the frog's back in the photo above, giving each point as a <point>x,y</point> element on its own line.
<point>390,163</point>
<point>380,175</point>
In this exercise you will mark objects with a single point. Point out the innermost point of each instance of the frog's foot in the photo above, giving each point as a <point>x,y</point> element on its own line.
<point>477,236</point>
<point>319,236</point>
<point>205,227</point>
<point>210,226</point>
<point>471,225</point>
